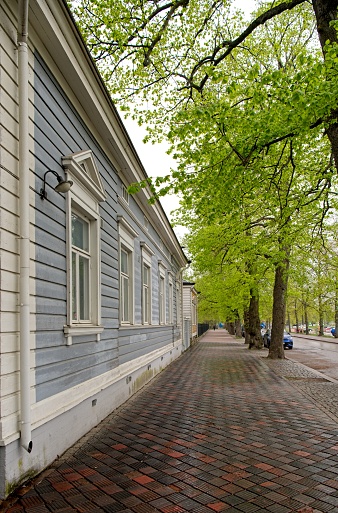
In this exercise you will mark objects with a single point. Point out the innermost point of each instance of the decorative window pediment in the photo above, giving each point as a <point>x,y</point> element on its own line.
<point>82,167</point>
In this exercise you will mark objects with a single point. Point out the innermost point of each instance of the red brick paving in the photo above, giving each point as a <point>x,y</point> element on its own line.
<point>216,431</point>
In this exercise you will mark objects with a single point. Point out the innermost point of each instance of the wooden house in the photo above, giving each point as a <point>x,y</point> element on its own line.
<point>91,285</point>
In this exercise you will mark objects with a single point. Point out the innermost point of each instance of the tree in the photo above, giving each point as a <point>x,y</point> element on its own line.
<point>171,52</point>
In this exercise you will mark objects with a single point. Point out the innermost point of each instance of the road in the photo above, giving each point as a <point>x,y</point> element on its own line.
<point>317,353</point>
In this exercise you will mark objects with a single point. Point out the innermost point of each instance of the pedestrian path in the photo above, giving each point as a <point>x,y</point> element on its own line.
<point>221,429</point>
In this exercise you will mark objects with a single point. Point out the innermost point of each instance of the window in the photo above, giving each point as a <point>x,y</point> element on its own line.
<point>162,292</point>
<point>171,301</point>
<point>162,301</point>
<point>146,294</point>
<point>126,281</point>
<point>147,255</point>
<point>126,241</point>
<point>81,264</point>
<point>125,194</point>
<point>83,246</point>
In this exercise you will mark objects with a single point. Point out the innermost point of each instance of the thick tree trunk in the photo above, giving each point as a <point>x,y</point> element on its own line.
<point>231,328</point>
<point>238,327</point>
<point>326,11</point>
<point>246,326</point>
<point>254,328</point>
<point>276,349</point>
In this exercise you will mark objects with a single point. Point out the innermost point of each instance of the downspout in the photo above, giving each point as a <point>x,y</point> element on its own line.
<point>25,406</point>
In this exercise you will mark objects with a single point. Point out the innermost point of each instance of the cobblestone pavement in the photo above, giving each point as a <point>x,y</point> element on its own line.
<point>222,429</point>
<point>320,388</point>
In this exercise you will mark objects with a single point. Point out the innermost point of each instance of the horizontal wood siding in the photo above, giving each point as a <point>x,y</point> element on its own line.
<point>137,342</point>
<point>59,131</point>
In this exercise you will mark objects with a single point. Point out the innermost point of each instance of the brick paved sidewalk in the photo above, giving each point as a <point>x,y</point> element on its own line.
<point>218,430</point>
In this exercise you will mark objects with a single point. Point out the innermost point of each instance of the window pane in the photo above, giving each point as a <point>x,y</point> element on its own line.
<point>80,232</point>
<point>125,299</point>
<point>124,262</point>
<point>145,275</point>
<point>84,288</point>
<point>146,302</point>
<point>74,288</point>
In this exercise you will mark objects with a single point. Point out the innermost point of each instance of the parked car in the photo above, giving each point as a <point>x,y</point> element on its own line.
<point>287,339</point>
<point>333,331</point>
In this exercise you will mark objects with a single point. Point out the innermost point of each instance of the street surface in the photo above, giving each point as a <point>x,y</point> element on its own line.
<point>318,353</point>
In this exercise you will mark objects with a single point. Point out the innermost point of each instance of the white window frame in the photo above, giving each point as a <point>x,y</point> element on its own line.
<point>86,255</point>
<point>127,237</point>
<point>162,294</point>
<point>146,293</point>
<point>83,199</point>
<point>170,300</point>
<point>125,193</point>
<point>146,262</point>
<point>126,277</point>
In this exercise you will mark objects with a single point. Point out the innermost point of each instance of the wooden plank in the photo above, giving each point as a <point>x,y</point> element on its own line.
<point>63,383</point>
<point>9,112</point>
<point>9,363</point>
<point>8,141</point>
<point>9,384</point>
<point>10,322</point>
<point>9,342</point>
<point>9,281</point>
<point>9,261</point>
<point>9,242</point>
<point>9,301</point>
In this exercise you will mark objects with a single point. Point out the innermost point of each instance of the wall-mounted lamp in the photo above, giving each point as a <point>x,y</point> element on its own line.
<point>62,186</point>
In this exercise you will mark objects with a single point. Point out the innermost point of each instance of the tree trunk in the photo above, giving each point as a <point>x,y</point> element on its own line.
<point>246,326</point>
<point>276,349</point>
<point>321,316</point>
<point>255,337</point>
<point>325,12</point>
<point>289,322</point>
<point>231,328</point>
<point>238,327</point>
<point>306,319</point>
<point>296,317</point>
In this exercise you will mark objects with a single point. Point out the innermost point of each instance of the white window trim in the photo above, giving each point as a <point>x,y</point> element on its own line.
<point>146,254</point>
<point>127,237</point>
<point>124,193</point>
<point>162,276</point>
<point>84,197</point>
<point>170,299</point>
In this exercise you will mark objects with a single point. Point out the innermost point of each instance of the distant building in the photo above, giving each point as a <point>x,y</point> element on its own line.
<point>91,284</point>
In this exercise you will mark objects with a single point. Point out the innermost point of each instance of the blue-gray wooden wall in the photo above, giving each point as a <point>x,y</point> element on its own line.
<point>59,131</point>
